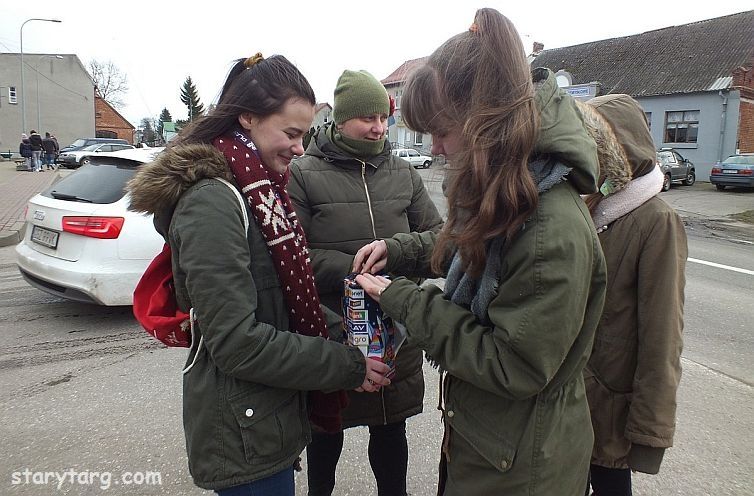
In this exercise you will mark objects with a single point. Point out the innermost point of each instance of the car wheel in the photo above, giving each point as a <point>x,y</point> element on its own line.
<point>720,187</point>
<point>85,161</point>
<point>690,178</point>
<point>666,182</point>
<point>427,164</point>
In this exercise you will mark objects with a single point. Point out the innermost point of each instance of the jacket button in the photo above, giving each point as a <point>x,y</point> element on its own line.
<point>504,464</point>
<point>249,412</point>
<point>451,413</point>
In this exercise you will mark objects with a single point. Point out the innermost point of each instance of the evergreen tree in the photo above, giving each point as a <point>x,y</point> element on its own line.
<point>164,117</point>
<point>190,98</point>
<point>148,135</point>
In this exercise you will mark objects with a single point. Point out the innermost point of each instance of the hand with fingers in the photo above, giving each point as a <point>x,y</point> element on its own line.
<point>375,376</point>
<point>373,285</point>
<point>371,258</point>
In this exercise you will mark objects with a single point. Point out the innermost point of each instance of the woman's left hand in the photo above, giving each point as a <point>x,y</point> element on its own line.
<point>373,285</point>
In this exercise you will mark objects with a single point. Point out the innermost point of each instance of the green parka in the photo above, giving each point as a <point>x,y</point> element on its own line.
<point>344,203</point>
<point>244,401</point>
<point>514,400</point>
<point>633,373</point>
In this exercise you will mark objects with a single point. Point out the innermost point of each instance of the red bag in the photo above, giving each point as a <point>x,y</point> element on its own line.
<point>155,306</point>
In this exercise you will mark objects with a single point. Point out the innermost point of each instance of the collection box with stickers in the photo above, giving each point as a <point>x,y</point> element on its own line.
<point>368,328</point>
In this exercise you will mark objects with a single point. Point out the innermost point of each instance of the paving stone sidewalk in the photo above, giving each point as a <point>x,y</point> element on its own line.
<point>16,187</point>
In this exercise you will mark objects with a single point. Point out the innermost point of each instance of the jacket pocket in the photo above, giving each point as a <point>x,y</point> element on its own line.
<point>270,420</point>
<point>491,424</point>
<point>609,412</point>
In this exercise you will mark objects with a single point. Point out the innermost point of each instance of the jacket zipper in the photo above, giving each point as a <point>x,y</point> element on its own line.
<point>384,410</point>
<point>369,200</point>
<point>374,234</point>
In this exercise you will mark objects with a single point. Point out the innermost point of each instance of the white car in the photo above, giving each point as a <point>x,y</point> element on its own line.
<point>413,157</point>
<point>81,242</point>
<point>77,158</point>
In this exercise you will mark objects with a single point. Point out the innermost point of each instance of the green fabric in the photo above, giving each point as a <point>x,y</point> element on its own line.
<point>515,390</point>
<point>358,93</point>
<point>635,367</point>
<point>329,193</point>
<point>562,133</point>
<point>364,149</point>
<point>245,399</point>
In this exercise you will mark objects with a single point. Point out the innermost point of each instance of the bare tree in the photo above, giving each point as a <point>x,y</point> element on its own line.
<point>110,83</point>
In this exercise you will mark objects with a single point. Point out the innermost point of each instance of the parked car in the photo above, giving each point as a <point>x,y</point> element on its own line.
<point>84,142</point>
<point>675,168</point>
<point>736,170</point>
<point>77,158</point>
<point>81,243</point>
<point>413,157</point>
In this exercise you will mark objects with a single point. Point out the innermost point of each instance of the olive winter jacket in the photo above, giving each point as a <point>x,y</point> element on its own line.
<point>344,203</point>
<point>244,401</point>
<point>514,399</point>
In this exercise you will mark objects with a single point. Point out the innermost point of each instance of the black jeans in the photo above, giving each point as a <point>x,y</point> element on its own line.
<point>388,456</point>
<point>610,481</point>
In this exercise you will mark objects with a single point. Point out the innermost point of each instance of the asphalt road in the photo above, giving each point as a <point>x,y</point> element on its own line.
<point>85,389</point>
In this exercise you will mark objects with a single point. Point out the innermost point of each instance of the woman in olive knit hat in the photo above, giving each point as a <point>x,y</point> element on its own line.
<point>348,189</point>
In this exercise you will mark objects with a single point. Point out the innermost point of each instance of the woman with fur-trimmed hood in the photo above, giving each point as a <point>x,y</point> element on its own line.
<point>634,369</point>
<point>261,368</point>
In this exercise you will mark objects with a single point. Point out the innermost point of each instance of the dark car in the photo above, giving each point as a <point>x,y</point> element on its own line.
<point>736,170</point>
<point>675,168</point>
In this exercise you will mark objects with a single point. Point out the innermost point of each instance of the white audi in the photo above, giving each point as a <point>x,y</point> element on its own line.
<point>81,242</point>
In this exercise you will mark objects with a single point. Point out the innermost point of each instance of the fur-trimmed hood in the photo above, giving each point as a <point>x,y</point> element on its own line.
<point>158,185</point>
<point>624,145</point>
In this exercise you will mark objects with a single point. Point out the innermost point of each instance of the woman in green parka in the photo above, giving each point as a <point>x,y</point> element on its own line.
<point>525,284</point>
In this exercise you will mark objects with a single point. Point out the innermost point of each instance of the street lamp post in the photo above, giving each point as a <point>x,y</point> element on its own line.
<point>39,119</point>
<point>23,89</point>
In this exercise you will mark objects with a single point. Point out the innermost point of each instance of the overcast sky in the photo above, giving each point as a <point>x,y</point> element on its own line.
<point>160,44</point>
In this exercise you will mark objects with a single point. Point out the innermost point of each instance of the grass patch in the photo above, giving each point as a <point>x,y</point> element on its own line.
<point>747,216</point>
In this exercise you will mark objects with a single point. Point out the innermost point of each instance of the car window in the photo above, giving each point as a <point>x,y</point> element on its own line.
<point>740,160</point>
<point>91,148</point>
<point>402,154</point>
<point>100,182</point>
<point>413,153</point>
<point>78,143</point>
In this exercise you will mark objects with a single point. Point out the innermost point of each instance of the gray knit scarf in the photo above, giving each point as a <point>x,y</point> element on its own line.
<point>477,293</point>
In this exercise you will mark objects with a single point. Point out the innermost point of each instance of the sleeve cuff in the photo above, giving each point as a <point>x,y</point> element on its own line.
<point>645,458</point>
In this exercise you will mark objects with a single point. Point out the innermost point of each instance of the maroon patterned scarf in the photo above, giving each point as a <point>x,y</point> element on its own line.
<point>271,207</point>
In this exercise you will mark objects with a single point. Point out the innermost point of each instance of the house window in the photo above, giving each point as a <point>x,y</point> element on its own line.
<point>648,117</point>
<point>681,126</point>
<point>105,133</point>
<point>12,96</point>
<point>419,139</point>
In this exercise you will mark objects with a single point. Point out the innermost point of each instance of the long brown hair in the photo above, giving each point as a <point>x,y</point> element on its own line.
<point>479,83</point>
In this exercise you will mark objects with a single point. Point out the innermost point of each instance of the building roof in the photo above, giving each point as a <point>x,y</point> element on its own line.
<point>399,75</point>
<point>696,57</point>
<point>98,98</point>
<point>320,106</point>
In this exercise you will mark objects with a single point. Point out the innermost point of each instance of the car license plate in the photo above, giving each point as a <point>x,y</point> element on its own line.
<point>45,237</point>
<point>730,171</point>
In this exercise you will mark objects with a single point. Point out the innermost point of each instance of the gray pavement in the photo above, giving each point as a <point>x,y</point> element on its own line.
<point>16,187</point>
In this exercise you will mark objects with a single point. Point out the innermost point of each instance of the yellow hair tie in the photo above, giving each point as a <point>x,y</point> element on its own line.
<point>254,59</point>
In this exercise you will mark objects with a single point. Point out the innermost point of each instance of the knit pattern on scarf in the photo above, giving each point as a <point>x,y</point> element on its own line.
<point>272,210</point>
<point>476,293</point>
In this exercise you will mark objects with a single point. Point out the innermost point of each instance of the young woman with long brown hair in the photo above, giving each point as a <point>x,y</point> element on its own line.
<point>525,274</point>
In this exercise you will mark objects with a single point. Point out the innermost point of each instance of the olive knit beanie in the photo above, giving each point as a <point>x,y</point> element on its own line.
<point>359,93</point>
